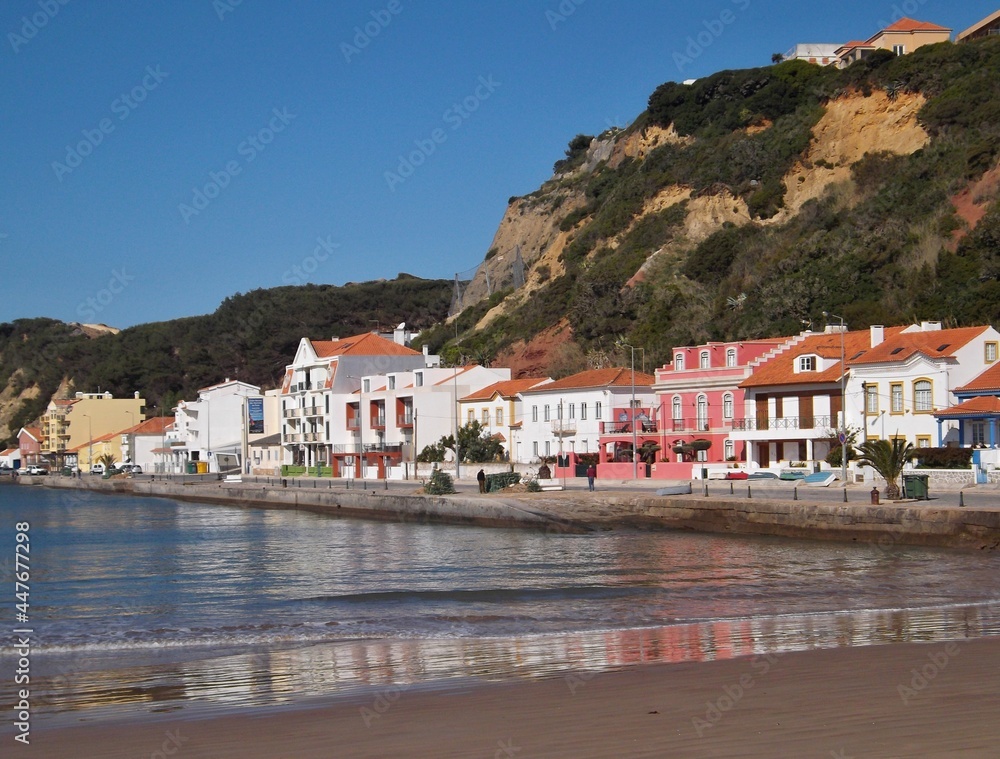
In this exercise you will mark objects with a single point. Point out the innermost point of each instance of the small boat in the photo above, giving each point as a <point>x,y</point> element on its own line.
<point>684,489</point>
<point>793,474</point>
<point>820,479</point>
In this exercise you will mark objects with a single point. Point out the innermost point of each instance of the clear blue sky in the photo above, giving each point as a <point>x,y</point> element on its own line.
<point>158,157</point>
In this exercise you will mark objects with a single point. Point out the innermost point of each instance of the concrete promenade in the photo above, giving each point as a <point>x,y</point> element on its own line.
<point>959,518</point>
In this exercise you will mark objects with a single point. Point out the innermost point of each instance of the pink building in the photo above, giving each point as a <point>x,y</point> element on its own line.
<point>29,440</point>
<point>699,396</point>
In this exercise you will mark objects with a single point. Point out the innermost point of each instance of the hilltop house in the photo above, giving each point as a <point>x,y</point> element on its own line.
<point>901,37</point>
<point>987,27</point>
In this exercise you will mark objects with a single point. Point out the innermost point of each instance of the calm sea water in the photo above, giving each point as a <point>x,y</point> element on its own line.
<point>149,605</point>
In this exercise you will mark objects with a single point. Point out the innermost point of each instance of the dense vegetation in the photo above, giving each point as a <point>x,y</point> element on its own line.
<point>251,337</point>
<point>880,250</point>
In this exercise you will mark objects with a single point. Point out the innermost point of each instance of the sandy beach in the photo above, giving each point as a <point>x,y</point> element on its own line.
<point>898,700</point>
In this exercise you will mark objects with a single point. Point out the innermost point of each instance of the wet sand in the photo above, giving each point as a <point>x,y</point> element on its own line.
<point>897,700</point>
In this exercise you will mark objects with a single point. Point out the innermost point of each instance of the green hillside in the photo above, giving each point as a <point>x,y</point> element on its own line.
<point>876,251</point>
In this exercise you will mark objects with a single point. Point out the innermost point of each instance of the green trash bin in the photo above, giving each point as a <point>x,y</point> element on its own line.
<point>915,486</point>
<point>192,467</point>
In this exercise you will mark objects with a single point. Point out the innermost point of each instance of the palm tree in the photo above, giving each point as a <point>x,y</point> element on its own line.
<point>888,459</point>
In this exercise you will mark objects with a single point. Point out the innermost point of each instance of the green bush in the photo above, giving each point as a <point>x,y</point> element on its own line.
<point>497,482</point>
<point>943,458</point>
<point>440,483</point>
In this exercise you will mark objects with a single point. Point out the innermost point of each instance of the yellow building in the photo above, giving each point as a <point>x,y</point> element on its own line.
<point>70,424</point>
<point>498,408</point>
<point>902,37</point>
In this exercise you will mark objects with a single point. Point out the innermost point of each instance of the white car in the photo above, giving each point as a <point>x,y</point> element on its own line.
<point>97,468</point>
<point>35,469</point>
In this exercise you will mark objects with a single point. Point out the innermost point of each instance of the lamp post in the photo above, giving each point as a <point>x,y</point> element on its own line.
<point>843,400</point>
<point>458,454</point>
<point>128,438</point>
<point>90,442</point>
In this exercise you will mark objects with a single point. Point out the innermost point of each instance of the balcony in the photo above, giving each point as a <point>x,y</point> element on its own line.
<point>754,424</point>
<point>378,422</point>
<point>354,449</point>
<point>404,420</point>
<point>625,428</point>
<point>564,428</point>
<point>352,424</point>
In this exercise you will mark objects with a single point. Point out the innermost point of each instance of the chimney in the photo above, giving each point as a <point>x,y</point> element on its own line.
<point>878,334</point>
<point>426,350</point>
<point>930,326</point>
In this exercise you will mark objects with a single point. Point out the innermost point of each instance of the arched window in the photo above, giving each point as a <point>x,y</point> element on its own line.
<point>922,395</point>
<point>704,360</point>
<point>730,357</point>
<point>679,362</point>
<point>727,406</point>
<point>676,406</point>
<point>702,413</point>
<point>730,451</point>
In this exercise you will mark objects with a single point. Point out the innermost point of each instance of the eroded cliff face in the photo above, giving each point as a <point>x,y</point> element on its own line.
<point>851,126</point>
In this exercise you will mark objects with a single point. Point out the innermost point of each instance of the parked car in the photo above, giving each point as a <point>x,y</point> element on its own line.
<point>132,468</point>
<point>97,468</point>
<point>34,469</point>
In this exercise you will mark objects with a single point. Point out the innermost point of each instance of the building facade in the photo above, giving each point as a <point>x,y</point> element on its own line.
<point>499,408</point>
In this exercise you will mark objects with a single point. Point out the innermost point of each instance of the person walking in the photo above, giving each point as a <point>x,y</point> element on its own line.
<point>591,474</point>
<point>481,476</point>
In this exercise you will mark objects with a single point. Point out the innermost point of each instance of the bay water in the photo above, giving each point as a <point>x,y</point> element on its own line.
<point>144,606</point>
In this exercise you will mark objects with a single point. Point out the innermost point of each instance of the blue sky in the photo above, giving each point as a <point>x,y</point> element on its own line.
<point>158,157</point>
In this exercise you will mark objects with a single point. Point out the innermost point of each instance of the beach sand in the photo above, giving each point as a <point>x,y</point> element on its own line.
<point>897,700</point>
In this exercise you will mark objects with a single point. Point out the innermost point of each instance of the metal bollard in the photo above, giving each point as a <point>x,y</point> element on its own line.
<point>730,488</point>
<point>961,498</point>
<point>795,493</point>
<point>874,496</point>
<point>748,492</point>
<point>705,493</point>
<point>386,484</point>
<point>845,495</point>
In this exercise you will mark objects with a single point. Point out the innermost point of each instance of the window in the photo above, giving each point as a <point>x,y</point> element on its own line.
<point>583,410</point>
<point>498,415</point>
<point>703,360</point>
<point>366,385</point>
<point>572,411</point>
<point>419,379</point>
<point>871,399</point>
<point>923,441</point>
<point>896,398</point>
<point>730,357</point>
<point>597,410</point>
<point>548,447</point>
<point>990,352</point>
<point>702,455</point>
<point>471,415</point>
<point>922,396</point>
<point>899,49</point>
<point>727,406</point>
<point>534,415</point>
<point>486,417</point>
<point>675,405</point>
<point>545,412</point>
<point>327,398</point>
<point>807,363</point>
<point>702,413</point>
<point>679,362</point>
<point>978,433</point>
<point>730,449</point>
<point>392,382</point>
<point>534,448</point>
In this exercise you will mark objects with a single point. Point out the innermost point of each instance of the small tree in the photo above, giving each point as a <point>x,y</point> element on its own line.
<point>107,460</point>
<point>888,459</point>
<point>440,483</point>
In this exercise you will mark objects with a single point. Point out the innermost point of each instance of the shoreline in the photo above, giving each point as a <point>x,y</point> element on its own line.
<point>899,699</point>
<point>907,523</point>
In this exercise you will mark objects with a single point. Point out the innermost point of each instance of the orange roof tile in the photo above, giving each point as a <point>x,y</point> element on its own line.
<point>368,344</point>
<point>780,370</point>
<point>901,346</point>
<point>504,388</point>
<point>156,425</point>
<point>593,378</point>
<point>912,25</point>
<point>987,381</point>
<point>984,404</point>
<point>35,432</point>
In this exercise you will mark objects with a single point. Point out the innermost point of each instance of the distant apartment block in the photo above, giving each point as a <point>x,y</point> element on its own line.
<point>987,27</point>
<point>820,53</point>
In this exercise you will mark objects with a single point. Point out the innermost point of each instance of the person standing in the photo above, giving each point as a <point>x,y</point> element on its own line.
<point>591,474</point>
<point>482,481</point>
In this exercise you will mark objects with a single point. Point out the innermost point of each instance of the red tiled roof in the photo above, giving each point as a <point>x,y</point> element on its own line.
<point>35,432</point>
<point>984,404</point>
<point>592,378</point>
<point>912,25</point>
<point>900,347</point>
<point>780,370</point>
<point>852,44</point>
<point>65,402</point>
<point>504,388</point>
<point>987,381</point>
<point>368,344</point>
<point>157,425</point>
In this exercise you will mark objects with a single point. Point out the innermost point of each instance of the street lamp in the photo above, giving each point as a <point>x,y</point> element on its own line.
<point>90,442</point>
<point>458,455</point>
<point>128,440</point>
<point>843,400</point>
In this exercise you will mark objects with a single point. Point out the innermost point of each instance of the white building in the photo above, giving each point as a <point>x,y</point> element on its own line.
<point>820,53</point>
<point>567,415</point>
<point>499,409</point>
<point>145,443</point>
<point>209,434</point>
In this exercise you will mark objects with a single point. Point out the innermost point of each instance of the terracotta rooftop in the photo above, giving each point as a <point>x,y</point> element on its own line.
<point>984,404</point>
<point>35,432</point>
<point>594,378</point>
<point>505,388</point>
<point>780,370</point>
<point>367,344</point>
<point>935,344</point>
<point>912,25</point>
<point>157,425</point>
<point>988,381</point>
